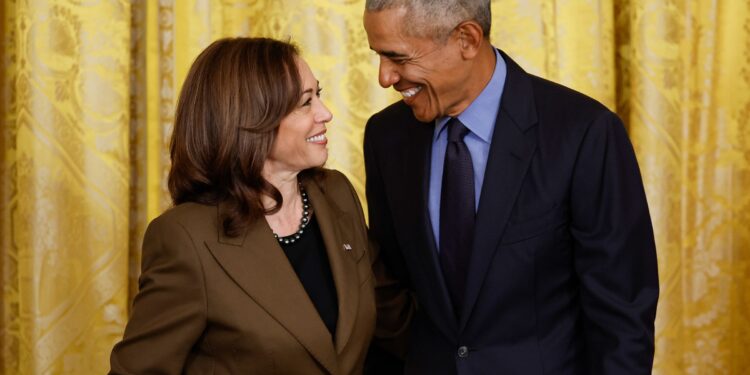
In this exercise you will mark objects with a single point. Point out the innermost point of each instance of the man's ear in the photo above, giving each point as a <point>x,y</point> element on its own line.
<point>470,37</point>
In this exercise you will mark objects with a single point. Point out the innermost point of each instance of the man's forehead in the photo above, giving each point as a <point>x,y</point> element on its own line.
<point>390,12</point>
<point>384,23</point>
<point>389,54</point>
<point>388,36</point>
<point>388,41</point>
<point>400,46</point>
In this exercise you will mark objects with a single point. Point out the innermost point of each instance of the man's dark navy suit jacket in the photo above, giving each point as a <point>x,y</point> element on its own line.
<point>563,275</point>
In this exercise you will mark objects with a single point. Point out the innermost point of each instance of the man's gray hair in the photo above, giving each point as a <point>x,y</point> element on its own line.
<point>437,18</point>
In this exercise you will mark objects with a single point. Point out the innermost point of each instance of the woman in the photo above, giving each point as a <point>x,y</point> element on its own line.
<point>261,267</point>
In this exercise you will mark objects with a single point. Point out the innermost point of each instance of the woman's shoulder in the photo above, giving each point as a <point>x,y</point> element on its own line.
<point>339,191</point>
<point>192,217</point>
<point>334,182</point>
<point>328,173</point>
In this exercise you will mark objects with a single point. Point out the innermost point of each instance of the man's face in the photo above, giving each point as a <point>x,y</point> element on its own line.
<point>427,73</point>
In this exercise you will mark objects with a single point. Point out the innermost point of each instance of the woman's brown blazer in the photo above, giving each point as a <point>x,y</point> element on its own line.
<point>209,304</point>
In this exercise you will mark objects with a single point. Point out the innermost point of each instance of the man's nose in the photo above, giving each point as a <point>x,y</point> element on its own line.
<point>387,74</point>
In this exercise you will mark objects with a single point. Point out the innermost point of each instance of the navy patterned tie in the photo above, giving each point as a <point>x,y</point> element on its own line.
<point>456,212</point>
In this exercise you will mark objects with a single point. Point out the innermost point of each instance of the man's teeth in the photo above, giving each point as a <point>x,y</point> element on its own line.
<point>317,138</point>
<point>411,92</point>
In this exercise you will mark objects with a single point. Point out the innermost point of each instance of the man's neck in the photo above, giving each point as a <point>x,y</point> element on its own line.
<point>481,74</point>
<point>483,70</point>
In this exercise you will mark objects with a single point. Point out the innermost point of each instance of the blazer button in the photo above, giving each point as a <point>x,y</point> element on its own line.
<point>463,352</point>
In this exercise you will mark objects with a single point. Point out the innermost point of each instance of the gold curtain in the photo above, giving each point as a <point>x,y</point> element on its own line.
<point>87,94</point>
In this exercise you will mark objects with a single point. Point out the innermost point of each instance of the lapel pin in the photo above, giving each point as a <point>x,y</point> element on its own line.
<point>347,246</point>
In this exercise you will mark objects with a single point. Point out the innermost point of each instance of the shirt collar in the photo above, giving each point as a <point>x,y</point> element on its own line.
<point>479,117</point>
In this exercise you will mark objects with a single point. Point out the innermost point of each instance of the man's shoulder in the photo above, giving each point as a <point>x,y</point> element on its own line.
<point>566,114</point>
<point>549,100</point>
<point>390,128</point>
<point>392,117</point>
<point>397,111</point>
<point>555,100</point>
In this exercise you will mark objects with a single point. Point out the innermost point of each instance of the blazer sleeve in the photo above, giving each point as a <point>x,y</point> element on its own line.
<point>169,311</point>
<point>615,254</point>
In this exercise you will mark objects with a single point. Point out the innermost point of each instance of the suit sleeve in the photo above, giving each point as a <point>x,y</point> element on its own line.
<point>615,254</point>
<point>169,311</point>
<point>395,304</point>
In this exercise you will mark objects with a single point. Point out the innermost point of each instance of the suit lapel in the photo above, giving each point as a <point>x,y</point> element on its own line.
<point>413,188</point>
<point>331,221</point>
<point>258,265</point>
<point>510,154</point>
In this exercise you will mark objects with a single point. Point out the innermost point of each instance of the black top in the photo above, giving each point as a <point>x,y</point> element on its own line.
<point>310,261</point>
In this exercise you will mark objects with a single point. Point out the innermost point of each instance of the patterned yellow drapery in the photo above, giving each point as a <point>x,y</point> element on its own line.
<point>87,93</point>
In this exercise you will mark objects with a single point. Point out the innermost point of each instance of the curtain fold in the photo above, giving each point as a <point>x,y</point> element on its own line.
<point>686,98</point>
<point>65,171</point>
<point>87,98</point>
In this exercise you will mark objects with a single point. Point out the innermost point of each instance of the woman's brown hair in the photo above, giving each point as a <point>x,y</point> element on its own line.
<point>231,104</point>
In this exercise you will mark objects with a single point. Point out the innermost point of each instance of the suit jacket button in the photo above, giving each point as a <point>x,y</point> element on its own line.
<point>463,352</point>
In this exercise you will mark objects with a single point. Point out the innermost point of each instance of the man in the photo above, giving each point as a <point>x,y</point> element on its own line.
<point>512,207</point>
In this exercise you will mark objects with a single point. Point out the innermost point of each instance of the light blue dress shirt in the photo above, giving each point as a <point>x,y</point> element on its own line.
<point>479,118</point>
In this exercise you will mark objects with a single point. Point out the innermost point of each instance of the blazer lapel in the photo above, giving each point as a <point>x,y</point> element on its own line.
<point>510,155</point>
<point>419,248</point>
<point>331,221</point>
<point>258,265</point>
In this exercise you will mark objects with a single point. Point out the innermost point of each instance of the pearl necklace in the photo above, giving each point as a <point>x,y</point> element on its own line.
<point>290,239</point>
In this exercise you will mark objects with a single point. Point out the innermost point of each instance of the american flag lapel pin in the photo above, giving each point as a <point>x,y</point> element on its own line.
<point>347,247</point>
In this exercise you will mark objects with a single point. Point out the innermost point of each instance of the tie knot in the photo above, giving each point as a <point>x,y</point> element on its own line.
<point>456,130</point>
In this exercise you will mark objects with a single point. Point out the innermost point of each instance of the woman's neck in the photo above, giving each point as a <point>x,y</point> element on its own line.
<point>287,219</point>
